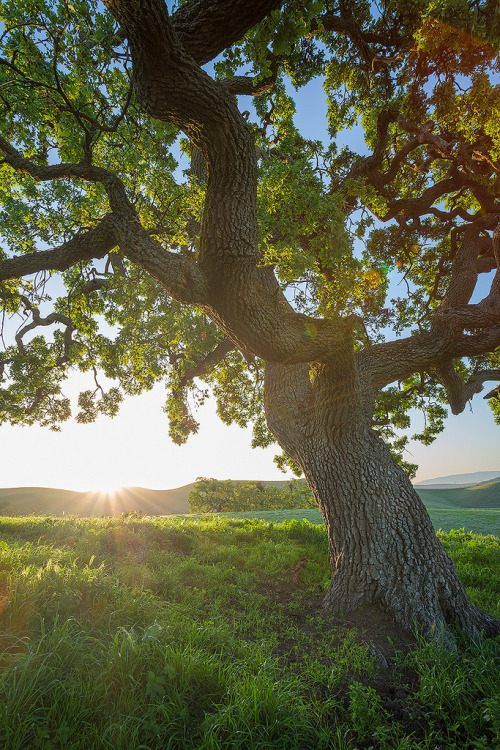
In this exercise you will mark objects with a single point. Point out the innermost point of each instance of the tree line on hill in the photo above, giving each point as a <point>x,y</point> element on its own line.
<point>217,496</point>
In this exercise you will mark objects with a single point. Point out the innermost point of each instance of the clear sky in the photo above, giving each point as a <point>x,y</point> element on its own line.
<point>134,448</point>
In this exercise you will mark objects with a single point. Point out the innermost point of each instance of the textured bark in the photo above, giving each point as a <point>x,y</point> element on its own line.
<point>383,547</point>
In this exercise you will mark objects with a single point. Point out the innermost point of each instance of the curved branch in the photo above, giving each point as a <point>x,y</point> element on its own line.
<point>206,28</point>
<point>413,207</point>
<point>208,363</point>
<point>53,317</point>
<point>382,364</point>
<point>113,185</point>
<point>495,393</point>
<point>93,243</point>
<point>178,275</point>
<point>458,391</point>
<point>245,86</point>
<point>362,40</point>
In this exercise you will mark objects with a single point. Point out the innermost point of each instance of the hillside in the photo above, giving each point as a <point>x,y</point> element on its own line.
<point>454,481</point>
<point>479,496</point>
<point>25,500</point>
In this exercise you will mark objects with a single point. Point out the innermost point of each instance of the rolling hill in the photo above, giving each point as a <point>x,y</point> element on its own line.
<point>478,496</point>
<point>25,500</point>
<point>41,500</point>
<point>454,481</point>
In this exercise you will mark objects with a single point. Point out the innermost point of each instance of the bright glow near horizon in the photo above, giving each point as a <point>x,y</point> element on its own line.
<point>107,490</point>
<point>131,450</point>
<point>134,450</point>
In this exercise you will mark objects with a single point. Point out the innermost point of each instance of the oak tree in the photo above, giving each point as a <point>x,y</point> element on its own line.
<point>226,495</point>
<point>164,219</point>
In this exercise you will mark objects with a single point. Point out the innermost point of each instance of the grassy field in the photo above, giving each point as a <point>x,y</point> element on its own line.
<point>481,496</point>
<point>208,633</point>
<point>478,521</point>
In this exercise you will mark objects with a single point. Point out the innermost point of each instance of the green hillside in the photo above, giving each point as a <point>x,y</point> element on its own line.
<point>480,496</point>
<point>25,500</point>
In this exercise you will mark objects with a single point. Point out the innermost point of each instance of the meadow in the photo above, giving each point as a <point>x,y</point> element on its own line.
<point>207,632</point>
<point>443,519</point>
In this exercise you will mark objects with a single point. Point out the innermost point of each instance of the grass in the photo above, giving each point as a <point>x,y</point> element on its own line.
<point>479,521</point>
<point>195,634</point>
<point>480,496</point>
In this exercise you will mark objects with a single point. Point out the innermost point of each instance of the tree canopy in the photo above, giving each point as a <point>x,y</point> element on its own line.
<point>218,496</point>
<point>122,255</point>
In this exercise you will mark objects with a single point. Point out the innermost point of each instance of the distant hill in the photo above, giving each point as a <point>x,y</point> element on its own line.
<point>453,481</point>
<point>483,495</point>
<point>25,500</point>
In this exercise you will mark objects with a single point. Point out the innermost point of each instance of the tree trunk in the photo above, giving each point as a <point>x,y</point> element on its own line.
<point>383,547</point>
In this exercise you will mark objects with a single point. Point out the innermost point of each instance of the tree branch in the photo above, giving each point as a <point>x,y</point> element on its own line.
<point>206,28</point>
<point>385,363</point>
<point>53,317</point>
<point>362,40</point>
<point>463,275</point>
<point>113,185</point>
<point>179,276</point>
<point>86,245</point>
<point>208,363</point>
<point>458,391</point>
<point>495,393</point>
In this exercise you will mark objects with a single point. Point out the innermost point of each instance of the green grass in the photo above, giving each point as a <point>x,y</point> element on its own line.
<point>189,634</point>
<point>481,496</point>
<point>479,521</point>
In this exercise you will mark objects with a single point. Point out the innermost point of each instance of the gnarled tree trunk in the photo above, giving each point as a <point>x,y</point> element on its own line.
<point>383,547</point>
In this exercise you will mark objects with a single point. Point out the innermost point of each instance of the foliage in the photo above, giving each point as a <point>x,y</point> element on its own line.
<point>216,496</point>
<point>129,633</point>
<point>336,226</point>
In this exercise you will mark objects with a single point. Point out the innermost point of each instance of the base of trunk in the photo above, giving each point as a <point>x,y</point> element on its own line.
<point>383,547</point>
<point>424,604</point>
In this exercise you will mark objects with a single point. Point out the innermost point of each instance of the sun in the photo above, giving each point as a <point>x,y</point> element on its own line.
<point>108,490</point>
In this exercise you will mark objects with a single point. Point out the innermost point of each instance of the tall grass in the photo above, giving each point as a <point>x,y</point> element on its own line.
<point>196,633</point>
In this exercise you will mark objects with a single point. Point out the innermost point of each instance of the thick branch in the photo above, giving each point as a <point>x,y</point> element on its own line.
<point>179,276</point>
<point>413,207</point>
<point>207,27</point>
<point>386,363</point>
<point>245,86</point>
<point>113,185</point>
<point>50,319</point>
<point>463,276</point>
<point>243,299</point>
<point>495,393</point>
<point>458,391</point>
<point>93,243</point>
<point>362,40</point>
